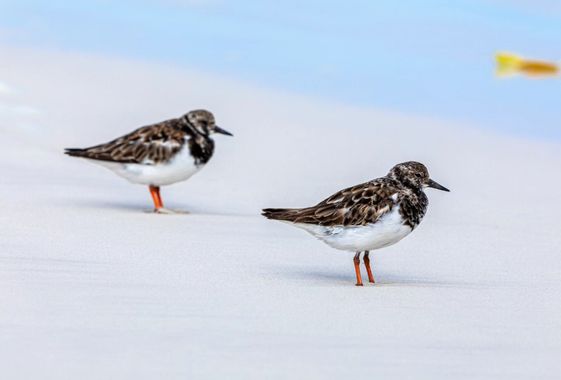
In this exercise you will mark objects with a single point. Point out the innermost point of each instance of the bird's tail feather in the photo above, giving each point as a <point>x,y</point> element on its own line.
<point>288,214</point>
<point>75,152</point>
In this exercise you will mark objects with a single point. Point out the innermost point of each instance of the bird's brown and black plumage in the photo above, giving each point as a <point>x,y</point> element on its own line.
<point>355,206</point>
<point>366,203</point>
<point>158,143</point>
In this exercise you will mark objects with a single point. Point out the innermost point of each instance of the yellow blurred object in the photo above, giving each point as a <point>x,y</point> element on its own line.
<point>510,64</point>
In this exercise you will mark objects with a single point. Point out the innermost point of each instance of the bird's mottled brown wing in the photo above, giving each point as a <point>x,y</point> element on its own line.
<point>147,145</point>
<point>355,206</point>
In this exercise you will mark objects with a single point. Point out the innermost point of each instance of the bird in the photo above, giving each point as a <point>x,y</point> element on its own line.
<point>368,216</point>
<point>158,154</point>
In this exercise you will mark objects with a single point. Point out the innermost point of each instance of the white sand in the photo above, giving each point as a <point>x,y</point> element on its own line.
<point>91,287</point>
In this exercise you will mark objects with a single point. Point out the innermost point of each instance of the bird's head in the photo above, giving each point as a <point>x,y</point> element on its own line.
<point>203,122</point>
<point>414,175</point>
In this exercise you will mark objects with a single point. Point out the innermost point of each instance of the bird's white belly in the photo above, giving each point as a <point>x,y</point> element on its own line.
<point>178,169</point>
<point>386,231</point>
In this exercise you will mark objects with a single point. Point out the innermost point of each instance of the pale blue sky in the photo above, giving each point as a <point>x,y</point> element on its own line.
<point>431,58</point>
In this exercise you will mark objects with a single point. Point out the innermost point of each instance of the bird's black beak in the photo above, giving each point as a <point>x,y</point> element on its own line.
<point>217,129</point>
<point>436,185</point>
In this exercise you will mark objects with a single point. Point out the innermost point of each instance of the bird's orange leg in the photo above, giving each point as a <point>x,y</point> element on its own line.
<point>156,197</point>
<point>160,198</point>
<point>357,269</point>
<point>367,265</point>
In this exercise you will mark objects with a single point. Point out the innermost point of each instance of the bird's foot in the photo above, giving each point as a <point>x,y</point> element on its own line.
<point>167,211</point>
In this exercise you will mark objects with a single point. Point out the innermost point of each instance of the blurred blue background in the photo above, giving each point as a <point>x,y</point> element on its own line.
<point>429,58</point>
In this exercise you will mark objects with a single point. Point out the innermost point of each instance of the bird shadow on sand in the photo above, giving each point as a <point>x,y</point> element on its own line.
<point>85,204</point>
<point>142,208</point>
<point>382,280</point>
<point>317,276</point>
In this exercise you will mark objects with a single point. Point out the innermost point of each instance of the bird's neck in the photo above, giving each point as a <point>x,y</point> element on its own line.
<point>192,131</point>
<point>410,186</point>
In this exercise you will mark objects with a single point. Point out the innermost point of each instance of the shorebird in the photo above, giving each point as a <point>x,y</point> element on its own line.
<point>159,154</point>
<point>369,216</point>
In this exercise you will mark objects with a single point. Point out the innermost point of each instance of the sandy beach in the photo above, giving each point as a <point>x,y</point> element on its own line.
<point>94,287</point>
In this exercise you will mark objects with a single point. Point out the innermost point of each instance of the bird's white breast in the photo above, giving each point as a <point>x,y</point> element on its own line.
<point>179,168</point>
<point>386,231</point>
